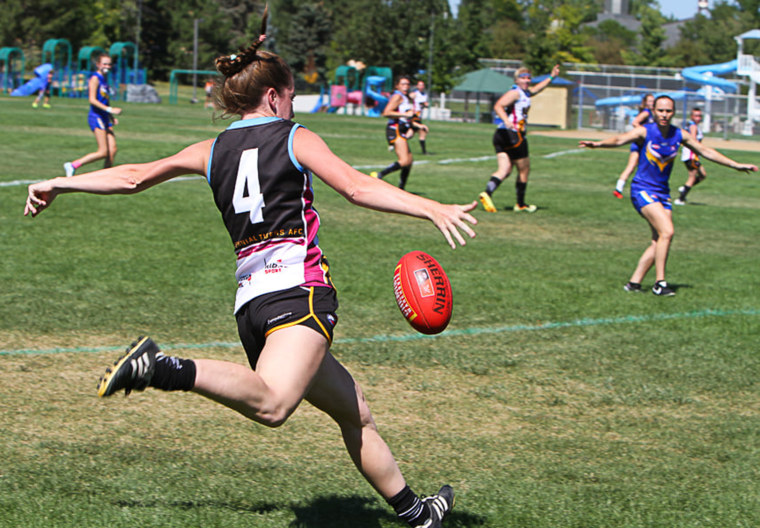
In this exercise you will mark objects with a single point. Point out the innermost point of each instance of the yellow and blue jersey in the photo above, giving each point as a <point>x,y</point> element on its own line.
<point>656,160</point>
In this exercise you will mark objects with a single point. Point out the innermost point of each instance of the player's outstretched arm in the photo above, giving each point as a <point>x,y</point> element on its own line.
<point>616,141</point>
<point>123,179</point>
<point>714,155</point>
<point>452,220</point>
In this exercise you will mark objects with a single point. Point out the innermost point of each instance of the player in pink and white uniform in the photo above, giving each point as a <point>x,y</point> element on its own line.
<point>260,172</point>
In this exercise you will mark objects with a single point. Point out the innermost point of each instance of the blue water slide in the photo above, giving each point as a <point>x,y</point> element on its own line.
<point>321,102</point>
<point>626,100</point>
<point>374,84</point>
<point>706,75</point>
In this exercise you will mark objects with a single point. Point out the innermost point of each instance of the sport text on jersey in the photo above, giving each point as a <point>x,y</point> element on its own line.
<point>263,237</point>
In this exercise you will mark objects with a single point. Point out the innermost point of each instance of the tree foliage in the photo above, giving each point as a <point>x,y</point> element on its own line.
<point>317,36</point>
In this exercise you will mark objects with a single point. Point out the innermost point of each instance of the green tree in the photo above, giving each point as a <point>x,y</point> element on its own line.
<point>306,48</point>
<point>710,40</point>
<point>474,20</point>
<point>649,50</point>
<point>608,41</point>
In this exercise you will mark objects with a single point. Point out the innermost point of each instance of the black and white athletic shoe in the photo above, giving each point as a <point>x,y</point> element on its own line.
<point>632,287</point>
<point>662,288</point>
<point>132,371</point>
<point>440,506</point>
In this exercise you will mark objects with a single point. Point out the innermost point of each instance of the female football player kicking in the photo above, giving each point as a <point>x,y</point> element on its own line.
<point>259,171</point>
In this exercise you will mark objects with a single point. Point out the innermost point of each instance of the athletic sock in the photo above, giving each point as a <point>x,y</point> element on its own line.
<point>409,507</point>
<point>173,373</point>
<point>620,185</point>
<point>685,190</point>
<point>76,164</point>
<point>422,144</point>
<point>520,187</point>
<point>492,185</point>
<point>390,168</point>
<point>404,176</point>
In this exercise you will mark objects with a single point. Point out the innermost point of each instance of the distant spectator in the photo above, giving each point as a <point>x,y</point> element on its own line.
<point>44,93</point>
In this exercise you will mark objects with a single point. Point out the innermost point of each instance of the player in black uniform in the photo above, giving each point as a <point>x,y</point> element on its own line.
<point>260,172</point>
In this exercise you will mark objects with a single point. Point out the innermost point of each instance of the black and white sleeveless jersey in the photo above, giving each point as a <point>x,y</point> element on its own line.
<point>517,112</point>
<point>265,198</point>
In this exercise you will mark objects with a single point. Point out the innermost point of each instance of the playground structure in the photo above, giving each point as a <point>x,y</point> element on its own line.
<point>12,68</point>
<point>68,80</point>
<point>358,92</point>
<point>749,65</point>
<point>712,87</point>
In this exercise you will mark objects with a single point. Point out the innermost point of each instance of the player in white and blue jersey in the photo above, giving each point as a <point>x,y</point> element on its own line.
<point>509,139</point>
<point>399,111</point>
<point>690,159</point>
<point>650,190</point>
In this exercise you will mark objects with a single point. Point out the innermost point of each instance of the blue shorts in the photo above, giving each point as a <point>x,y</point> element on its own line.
<point>641,196</point>
<point>97,121</point>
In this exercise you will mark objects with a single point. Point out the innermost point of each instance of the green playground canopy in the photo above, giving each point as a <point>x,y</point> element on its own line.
<point>485,81</point>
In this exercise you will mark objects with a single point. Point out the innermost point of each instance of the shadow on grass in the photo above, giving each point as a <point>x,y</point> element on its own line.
<point>350,512</point>
<point>258,508</point>
<point>322,512</point>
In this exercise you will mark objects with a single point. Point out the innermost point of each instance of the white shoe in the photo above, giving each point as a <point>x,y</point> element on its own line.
<point>678,201</point>
<point>69,168</point>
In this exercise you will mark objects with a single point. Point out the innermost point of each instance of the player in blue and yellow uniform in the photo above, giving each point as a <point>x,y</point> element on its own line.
<point>101,118</point>
<point>694,167</point>
<point>399,111</point>
<point>260,171</point>
<point>650,191</point>
<point>644,117</point>
<point>509,139</point>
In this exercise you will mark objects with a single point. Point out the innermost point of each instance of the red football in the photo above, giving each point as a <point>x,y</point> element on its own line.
<point>423,292</point>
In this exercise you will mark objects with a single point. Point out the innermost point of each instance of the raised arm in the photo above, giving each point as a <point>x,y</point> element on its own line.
<point>713,155</point>
<point>546,82</point>
<point>123,179</point>
<point>312,152</point>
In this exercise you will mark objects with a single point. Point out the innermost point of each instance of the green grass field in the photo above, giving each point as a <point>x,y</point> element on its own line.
<point>554,400</point>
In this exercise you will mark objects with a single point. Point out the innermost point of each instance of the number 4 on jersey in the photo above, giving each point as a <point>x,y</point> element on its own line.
<point>247,197</point>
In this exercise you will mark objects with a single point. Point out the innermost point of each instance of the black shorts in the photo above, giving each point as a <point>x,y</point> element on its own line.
<point>512,142</point>
<point>314,307</point>
<point>692,164</point>
<point>395,131</point>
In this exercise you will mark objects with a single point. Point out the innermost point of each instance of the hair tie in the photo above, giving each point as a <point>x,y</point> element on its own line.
<point>233,57</point>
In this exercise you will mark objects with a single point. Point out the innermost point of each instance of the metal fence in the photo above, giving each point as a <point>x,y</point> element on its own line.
<point>724,114</point>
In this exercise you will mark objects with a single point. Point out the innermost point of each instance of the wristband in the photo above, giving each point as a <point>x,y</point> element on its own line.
<point>109,109</point>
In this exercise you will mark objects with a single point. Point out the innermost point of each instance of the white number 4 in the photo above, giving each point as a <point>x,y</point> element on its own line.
<point>247,183</point>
